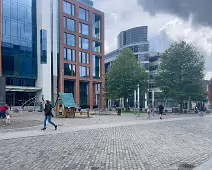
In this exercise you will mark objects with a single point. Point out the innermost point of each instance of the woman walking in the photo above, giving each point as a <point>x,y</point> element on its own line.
<point>48,115</point>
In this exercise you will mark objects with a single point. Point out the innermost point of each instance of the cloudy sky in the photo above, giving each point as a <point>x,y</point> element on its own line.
<point>164,26</point>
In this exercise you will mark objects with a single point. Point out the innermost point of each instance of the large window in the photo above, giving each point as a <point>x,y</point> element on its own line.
<point>71,40</point>
<point>84,14</point>
<point>84,58</point>
<point>83,72</point>
<point>96,47</point>
<point>69,24</point>
<point>69,86</point>
<point>96,67</point>
<point>65,38</point>
<point>96,26</point>
<point>43,40</point>
<point>69,54</point>
<point>84,43</point>
<point>84,29</point>
<point>83,94</point>
<point>68,8</point>
<point>69,69</point>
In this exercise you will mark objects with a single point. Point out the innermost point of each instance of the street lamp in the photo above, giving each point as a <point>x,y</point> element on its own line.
<point>138,100</point>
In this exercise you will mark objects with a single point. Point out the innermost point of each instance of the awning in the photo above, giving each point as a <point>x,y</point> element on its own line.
<point>22,89</point>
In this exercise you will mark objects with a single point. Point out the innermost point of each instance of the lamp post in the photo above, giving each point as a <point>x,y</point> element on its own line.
<point>134,101</point>
<point>138,101</point>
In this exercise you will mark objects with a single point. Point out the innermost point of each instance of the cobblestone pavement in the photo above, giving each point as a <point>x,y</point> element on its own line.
<point>27,120</point>
<point>150,146</point>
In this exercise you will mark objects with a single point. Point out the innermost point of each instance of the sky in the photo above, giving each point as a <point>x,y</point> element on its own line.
<point>166,23</point>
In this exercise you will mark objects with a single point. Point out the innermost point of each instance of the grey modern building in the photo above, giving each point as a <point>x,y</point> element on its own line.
<point>135,39</point>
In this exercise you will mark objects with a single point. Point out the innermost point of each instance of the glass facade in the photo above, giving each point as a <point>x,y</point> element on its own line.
<point>96,47</point>
<point>68,8</point>
<point>96,67</point>
<point>96,26</point>
<point>84,58</point>
<point>43,46</point>
<point>69,69</point>
<point>19,41</point>
<point>69,54</point>
<point>69,24</point>
<point>71,39</point>
<point>84,14</point>
<point>84,29</point>
<point>84,43</point>
<point>83,93</point>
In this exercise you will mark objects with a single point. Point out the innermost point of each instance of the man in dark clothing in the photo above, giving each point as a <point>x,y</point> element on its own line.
<point>161,108</point>
<point>48,115</point>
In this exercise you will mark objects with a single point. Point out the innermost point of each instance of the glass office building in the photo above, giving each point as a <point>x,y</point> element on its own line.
<point>51,46</point>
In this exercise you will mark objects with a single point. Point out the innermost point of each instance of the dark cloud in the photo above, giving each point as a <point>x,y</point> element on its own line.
<point>200,10</point>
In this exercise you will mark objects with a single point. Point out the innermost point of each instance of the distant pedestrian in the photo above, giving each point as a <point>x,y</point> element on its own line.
<point>201,110</point>
<point>3,110</point>
<point>48,115</point>
<point>149,111</point>
<point>161,108</point>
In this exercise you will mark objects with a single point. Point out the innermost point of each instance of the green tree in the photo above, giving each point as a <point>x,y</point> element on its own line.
<point>181,73</point>
<point>124,76</point>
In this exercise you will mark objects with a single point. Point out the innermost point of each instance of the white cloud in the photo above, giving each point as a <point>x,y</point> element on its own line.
<point>125,14</point>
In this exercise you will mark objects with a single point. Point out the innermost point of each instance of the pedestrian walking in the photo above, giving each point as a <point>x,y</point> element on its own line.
<point>149,110</point>
<point>48,115</point>
<point>3,110</point>
<point>201,110</point>
<point>161,108</point>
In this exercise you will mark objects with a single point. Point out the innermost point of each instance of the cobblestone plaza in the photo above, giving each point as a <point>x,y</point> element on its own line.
<point>130,143</point>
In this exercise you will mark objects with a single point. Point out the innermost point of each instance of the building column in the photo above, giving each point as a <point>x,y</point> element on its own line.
<point>91,94</point>
<point>77,92</point>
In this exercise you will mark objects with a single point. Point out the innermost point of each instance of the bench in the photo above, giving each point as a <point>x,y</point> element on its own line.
<point>81,112</point>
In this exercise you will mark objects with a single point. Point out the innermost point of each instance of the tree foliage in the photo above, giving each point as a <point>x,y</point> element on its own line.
<point>124,76</point>
<point>181,73</point>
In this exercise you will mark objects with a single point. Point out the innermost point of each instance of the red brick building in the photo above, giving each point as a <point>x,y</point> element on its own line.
<point>82,52</point>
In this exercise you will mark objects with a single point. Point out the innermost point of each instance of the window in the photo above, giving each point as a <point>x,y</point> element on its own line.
<point>43,42</point>
<point>88,72</point>
<point>84,29</point>
<point>96,26</point>
<point>71,40</point>
<point>84,58</point>
<point>84,43</point>
<point>96,47</point>
<point>64,22</point>
<point>65,38</point>
<point>68,8</point>
<point>69,54</point>
<point>82,72</point>
<point>84,14</point>
<point>71,24</point>
<point>69,69</point>
<point>96,67</point>
<point>65,53</point>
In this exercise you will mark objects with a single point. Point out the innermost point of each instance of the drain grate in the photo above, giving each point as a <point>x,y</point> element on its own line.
<point>94,168</point>
<point>186,167</point>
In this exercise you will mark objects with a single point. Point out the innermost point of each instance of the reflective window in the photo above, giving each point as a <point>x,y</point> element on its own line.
<point>69,69</point>
<point>21,13</point>
<point>68,8</point>
<point>84,58</point>
<point>71,24</point>
<point>65,53</point>
<point>6,26</point>
<point>64,22</point>
<point>96,47</point>
<point>84,43</point>
<point>84,29</point>
<point>84,94</point>
<point>88,72</point>
<point>43,46</point>
<point>84,14</point>
<point>14,10</point>
<point>14,28</point>
<point>96,67</point>
<point>82,72</point>
<point>96,26</point>
<point>65,38</point>
<point>69,54</point>
<point>71,40</point>
<point>6,9</point>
